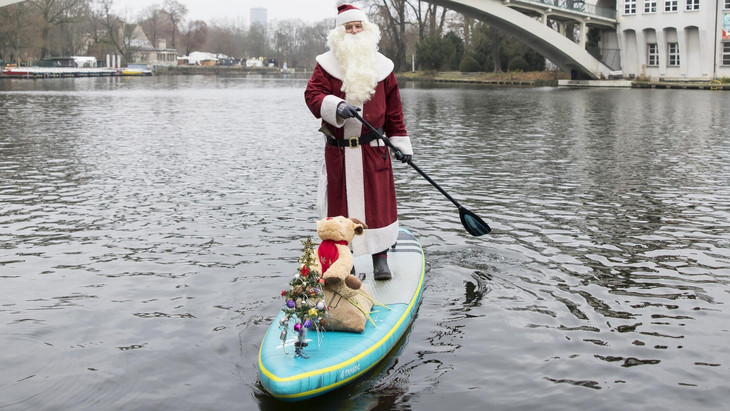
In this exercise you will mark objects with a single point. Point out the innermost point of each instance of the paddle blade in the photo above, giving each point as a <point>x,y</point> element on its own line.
<point>473,224</point>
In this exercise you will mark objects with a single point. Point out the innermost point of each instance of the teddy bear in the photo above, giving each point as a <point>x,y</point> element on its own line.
<point>348,301</point>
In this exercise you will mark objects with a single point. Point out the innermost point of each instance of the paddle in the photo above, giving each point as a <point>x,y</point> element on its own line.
<point>473,224</point>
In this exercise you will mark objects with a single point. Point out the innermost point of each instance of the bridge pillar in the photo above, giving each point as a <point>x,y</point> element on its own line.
<point>583,34</point>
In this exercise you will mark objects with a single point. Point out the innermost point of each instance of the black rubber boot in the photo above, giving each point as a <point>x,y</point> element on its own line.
<point>380,266</point>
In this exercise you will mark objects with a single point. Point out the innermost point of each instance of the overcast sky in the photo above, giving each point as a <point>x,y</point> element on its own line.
<point>210,10</point>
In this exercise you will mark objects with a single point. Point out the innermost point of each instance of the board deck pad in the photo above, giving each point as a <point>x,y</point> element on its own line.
<point>401,259</point>
<point>335,358</point>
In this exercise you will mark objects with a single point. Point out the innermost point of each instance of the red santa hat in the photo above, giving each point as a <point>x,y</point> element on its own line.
<point>346,13</point>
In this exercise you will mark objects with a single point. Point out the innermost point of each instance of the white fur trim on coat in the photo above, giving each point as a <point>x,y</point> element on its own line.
<point>354,173</point>
<point>328,111</point>
<point>375,240</point>
<point>322,191</point>
<point>403,143</point>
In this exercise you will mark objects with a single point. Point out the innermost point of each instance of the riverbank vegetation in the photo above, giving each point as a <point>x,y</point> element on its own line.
<point>544,78</point>
<point>416,35</point>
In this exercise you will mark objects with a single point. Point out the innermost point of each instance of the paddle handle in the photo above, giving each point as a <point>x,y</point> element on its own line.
<point>399,155</point>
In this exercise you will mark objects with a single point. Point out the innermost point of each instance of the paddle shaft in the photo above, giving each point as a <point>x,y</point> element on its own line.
<point>399,155</point>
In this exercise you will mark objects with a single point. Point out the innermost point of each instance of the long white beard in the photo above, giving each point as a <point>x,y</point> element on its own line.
<point>357,56</point>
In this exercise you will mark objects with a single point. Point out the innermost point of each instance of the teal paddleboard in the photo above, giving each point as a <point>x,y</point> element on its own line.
<point>332,358</point>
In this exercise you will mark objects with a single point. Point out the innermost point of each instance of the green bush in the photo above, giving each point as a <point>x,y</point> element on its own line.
<point>429,54</point>
<point>439,53</point>
<point>518,63</point>
<point>469,64</point>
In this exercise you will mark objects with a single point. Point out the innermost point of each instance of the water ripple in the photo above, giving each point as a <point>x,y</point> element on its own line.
<point>142,254</point>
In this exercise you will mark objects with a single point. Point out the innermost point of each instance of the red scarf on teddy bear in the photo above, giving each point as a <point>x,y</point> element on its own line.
<point>328,253</point>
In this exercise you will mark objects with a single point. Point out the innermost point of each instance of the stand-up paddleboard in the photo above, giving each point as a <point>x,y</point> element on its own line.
<point>335,358</point>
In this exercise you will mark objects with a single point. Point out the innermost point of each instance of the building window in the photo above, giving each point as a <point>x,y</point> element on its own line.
<point>726,54</point>
<point>693,5</point>
<point>652,55</point>
<point>630,6</point>
<point>670,5</point>
<point>673,54</point>
<point>727,4</point>
<point>650,6</point>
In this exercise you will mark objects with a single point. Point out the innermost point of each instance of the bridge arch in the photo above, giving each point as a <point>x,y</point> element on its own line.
<point>9,2</point>
<point>569,56</point>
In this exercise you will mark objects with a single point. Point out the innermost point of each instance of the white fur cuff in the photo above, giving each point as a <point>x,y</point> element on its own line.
<point>403,143</point>
<point>328,111</point>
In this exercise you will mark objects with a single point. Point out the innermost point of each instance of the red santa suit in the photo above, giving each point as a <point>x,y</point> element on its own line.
<point>359,180</point>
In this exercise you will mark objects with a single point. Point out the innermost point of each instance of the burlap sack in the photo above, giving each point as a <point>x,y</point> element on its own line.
<point>343,315</point>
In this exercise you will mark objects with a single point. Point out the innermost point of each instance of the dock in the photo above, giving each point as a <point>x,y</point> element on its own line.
<point>59,72</point>
<point>687,85</point>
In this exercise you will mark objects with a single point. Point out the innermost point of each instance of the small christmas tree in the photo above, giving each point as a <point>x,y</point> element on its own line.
<point>304,300</point>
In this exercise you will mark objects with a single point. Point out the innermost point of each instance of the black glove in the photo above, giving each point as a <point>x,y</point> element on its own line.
<point>405,158</point>
<point>346,110</point>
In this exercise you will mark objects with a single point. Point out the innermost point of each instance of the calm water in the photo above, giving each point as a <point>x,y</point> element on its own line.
<point>148,225</point>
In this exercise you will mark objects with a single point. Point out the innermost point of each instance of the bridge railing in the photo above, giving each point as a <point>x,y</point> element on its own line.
<point>575,5</point>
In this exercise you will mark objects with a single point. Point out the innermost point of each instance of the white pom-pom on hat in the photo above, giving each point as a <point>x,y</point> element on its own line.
<point>346,13</point>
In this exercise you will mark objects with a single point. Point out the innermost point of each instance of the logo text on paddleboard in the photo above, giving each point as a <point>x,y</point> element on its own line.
<point>348,372</point>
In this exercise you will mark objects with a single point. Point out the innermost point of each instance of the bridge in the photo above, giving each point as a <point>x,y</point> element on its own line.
<point>8,2</point>
<point>530,22</point>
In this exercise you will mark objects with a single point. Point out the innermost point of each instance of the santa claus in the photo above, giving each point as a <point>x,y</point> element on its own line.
<point>357,179</point>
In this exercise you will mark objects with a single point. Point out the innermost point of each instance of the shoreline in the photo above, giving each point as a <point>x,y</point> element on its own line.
<point>512,79</point>
<point>553,78</point>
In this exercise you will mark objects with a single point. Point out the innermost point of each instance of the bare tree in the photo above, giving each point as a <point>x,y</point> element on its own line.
<point>55,14</point>
<point>392,16</point>
<point>152,22</point>
<point>430,18</point>
<point>195,35</point>
<point>176,14</point>
<point>16,32</point>
<point>114,33</point>
<point>286,40</point>
<point>257,44</point>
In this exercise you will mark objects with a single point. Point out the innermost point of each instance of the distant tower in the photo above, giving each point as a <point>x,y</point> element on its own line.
<point>258,16</point>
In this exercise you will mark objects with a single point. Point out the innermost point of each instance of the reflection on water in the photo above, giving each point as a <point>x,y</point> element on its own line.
<point>148,225</point>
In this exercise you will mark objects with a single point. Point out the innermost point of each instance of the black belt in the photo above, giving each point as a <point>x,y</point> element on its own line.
<point>353,142</point>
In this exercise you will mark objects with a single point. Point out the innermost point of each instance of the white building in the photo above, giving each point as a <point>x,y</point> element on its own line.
<point>144,54</point>
<point>675,39</point>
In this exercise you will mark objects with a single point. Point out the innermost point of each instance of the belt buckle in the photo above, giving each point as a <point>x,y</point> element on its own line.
<point>353,142</point>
